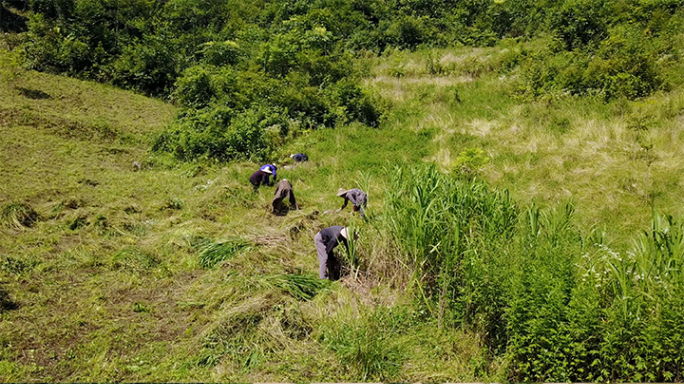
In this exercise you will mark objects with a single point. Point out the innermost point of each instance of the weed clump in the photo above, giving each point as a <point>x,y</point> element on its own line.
<point>134,259</point>
<point>365,344</point>
<point>212,253</point>
<point>18,215</point>
<point>301,287</point>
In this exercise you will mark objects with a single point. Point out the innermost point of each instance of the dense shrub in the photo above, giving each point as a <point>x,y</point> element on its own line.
<point>298,57</point>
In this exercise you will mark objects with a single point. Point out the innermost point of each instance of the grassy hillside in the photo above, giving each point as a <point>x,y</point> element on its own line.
<point>178,272</point>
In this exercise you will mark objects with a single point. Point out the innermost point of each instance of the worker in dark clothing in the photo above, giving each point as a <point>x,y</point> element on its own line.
<point>358,198</point>
<point>260,177</point>
<point>299,157</point>
<point>326,240</point>
<point>283,190</point>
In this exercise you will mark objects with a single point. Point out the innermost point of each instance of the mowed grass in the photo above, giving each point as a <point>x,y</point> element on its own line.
<point>109,283</point>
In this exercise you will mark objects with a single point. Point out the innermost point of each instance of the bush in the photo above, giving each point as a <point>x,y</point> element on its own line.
<point>223,134</point>
<point>621,67</point>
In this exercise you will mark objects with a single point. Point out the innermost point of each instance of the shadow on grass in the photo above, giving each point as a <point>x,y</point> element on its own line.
<point>34,94</point>
<point>6,303</point>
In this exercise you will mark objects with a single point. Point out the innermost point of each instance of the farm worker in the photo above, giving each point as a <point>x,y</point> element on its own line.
<point>326,240</point>
<point>261,177</point>
<point>273,169</point>
<point>358,198</point>
<point>283,190</point>
<point>299,157</point>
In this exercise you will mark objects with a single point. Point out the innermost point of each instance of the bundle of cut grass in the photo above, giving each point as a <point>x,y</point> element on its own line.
<point>302,287</point>
<point>213,253</point>
<point>18,215</point>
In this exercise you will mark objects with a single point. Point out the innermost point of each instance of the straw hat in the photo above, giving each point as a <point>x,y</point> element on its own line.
<point>268,170</point>
<point>341,191</point>
<point>345,232</point>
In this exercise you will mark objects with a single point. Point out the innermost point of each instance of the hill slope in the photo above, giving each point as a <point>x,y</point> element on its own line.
<point>179,272</point>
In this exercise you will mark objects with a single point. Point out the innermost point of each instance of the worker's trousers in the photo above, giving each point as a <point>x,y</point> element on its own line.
<point>328,266</point>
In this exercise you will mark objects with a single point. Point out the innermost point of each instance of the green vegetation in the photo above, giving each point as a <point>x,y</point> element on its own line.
<point>522,160</point>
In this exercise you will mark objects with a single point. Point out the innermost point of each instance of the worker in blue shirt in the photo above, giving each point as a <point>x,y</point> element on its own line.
<point>299,157</point>
<point>272,168</point>
<point>262,176</point>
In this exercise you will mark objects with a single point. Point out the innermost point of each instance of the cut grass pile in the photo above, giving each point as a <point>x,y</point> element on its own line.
<point>18,215</point>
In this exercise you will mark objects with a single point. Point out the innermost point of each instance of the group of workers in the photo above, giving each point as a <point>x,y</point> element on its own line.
<point>328,238</point>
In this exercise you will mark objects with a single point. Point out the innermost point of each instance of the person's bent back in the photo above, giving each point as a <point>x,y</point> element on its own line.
<point>326,241</point>
<point>283,191</point>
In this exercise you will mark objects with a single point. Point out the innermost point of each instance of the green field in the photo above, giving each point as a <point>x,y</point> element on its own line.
<point>510,236</point>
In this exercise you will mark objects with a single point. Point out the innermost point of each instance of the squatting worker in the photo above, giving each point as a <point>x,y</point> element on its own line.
<point>358,198</point>
<point>283,190</point>
<point>299,157</point>
<point>261,177</point>
<point>326,240</point>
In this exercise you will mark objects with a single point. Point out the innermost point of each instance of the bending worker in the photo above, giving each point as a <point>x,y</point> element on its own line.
<point>262,176</point>
<point>326,241</point>
<point>283,190</point>
<point>358,198</point>
<point>299,157</point>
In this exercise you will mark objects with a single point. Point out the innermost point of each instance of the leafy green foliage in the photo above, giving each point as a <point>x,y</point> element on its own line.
<point>295,59</point>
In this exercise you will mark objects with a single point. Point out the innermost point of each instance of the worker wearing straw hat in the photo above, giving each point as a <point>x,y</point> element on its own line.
<point>326,241</point>
<point>358,198</point>
<point>262,176</point>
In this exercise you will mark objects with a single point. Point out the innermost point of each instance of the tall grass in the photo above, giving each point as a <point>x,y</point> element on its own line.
<point>556,304</point>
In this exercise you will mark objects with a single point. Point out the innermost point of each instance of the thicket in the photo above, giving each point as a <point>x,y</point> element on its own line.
<point>250,74</point>
<point>558,304</point>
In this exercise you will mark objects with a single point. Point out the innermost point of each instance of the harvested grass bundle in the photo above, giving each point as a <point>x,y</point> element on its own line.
<point>299,286</point>
<point>18,215</point>
<point>134,259</point>
<point>212,253</point>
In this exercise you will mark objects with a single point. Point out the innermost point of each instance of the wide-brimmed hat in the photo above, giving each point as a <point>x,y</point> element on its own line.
<point>341,191</point>
<point>268,170</point>
<point>345,233</point>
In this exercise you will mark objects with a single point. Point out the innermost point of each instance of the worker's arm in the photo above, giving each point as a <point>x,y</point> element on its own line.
<point>344,205</point>
<point>346,244</point>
